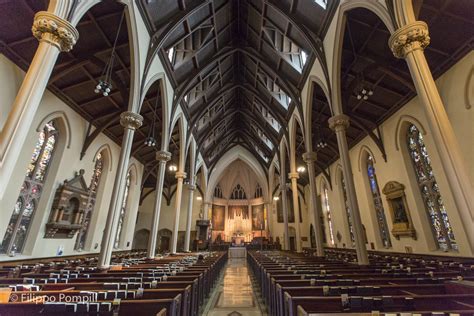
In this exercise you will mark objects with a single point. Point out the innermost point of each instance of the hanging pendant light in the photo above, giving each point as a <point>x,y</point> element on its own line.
<point>150,141</point>
<point>321,143</point>
<point>104,85</point>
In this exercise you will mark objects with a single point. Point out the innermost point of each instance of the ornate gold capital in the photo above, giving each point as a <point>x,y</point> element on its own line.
<point>338,122</point>
<point>310,157</point>
<point>163,156</point>
<point>293,175</point>
<point>48,27</point>
<point>180,175</point>
<point>131,120</point>
<point>409,38</point>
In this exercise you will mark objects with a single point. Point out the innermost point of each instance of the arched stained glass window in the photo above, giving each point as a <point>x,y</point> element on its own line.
<point>93,187</point>
<point>328,213</point>
<point>379,211</point>
<point>218,192</point>
<point>348,210</point>
<point>442,229</point>
<point>123,210</point>
<point>258,191</point>
<point>238,193</point>
<point>24,209</point>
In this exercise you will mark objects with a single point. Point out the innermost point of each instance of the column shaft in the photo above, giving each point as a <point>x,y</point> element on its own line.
<point>339,123</point>
<point>130,121</point>
<point>296,209</point>
<point>313,203</point>
<point>189,218</point>
<point>163,157</point>
<point>179,192</point>
<point>284,203</point>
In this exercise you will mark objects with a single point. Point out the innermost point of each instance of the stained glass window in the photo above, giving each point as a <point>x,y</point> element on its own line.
<point>93,187</point>
<point>30,193</point>
<point>218,192</point>
<point>328,214</point>
<point>377,199</point>
<point>123,210</point>
<point>442,229</point>
<point>348,210</point>
<point>238,193</point>
<point>258,191</point>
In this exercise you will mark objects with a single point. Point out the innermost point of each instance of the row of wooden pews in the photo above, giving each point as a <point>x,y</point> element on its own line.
<point>297,284</point>
<point>172,285</point>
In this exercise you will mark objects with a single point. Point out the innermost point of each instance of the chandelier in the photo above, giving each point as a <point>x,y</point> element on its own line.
<point>104,85</point>
<point>364,93</point>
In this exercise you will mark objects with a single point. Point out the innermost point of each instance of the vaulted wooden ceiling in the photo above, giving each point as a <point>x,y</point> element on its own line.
<point>237,66</point>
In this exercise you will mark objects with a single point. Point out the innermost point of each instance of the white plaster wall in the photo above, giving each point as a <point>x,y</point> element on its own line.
<point>65,164</point>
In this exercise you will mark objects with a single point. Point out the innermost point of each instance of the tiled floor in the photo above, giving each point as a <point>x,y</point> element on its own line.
<point>234,294</point>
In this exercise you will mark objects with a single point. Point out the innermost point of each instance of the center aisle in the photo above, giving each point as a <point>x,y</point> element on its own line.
<point>234,295</point>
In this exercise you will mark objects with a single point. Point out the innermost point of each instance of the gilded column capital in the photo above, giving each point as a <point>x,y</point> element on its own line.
<point>180,175</point>
<point>48,27</point>
<point>293,175</point>
<point>163,156</point>
<point>338,122</point>
<point>310,157</point>
<point>408,38</point>
<point>131,120</point>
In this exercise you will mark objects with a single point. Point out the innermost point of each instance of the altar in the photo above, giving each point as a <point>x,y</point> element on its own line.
<point>237,252</point>
<point>238,241</point>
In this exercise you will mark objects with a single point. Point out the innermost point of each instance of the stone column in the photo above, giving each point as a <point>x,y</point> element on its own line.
<point>205,215</point>
<point>187,239</point>
<point>180,176</point>
<point>163,157</point>
<point>130,121</point>
<point>205,211</point>
<point>408,42</point>
<point>310,158</point>
<point>55,35</point>
<point>268,210</point>
<point>284,204</point>
<point>339,124</point>
<point>294,176</point>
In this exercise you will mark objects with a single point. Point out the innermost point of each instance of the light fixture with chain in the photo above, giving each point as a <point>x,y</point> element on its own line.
<point>150,141</point>
<point>105,83</point>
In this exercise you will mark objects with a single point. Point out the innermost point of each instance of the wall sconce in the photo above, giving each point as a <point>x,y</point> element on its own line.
<point>301,169</point>
<point>276,198</point>
<point>199,198</point>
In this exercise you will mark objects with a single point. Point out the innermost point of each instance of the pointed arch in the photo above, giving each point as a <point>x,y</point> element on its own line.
<point>372,5</point>
<point>105,148</point>
<point>403,122</point>
<point>65,121</point>
<point>363,152</point>
<point>235,153</point>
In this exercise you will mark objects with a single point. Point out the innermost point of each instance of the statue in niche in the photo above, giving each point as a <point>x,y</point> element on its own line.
<point>401,219</point>
<point>400,214</point>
